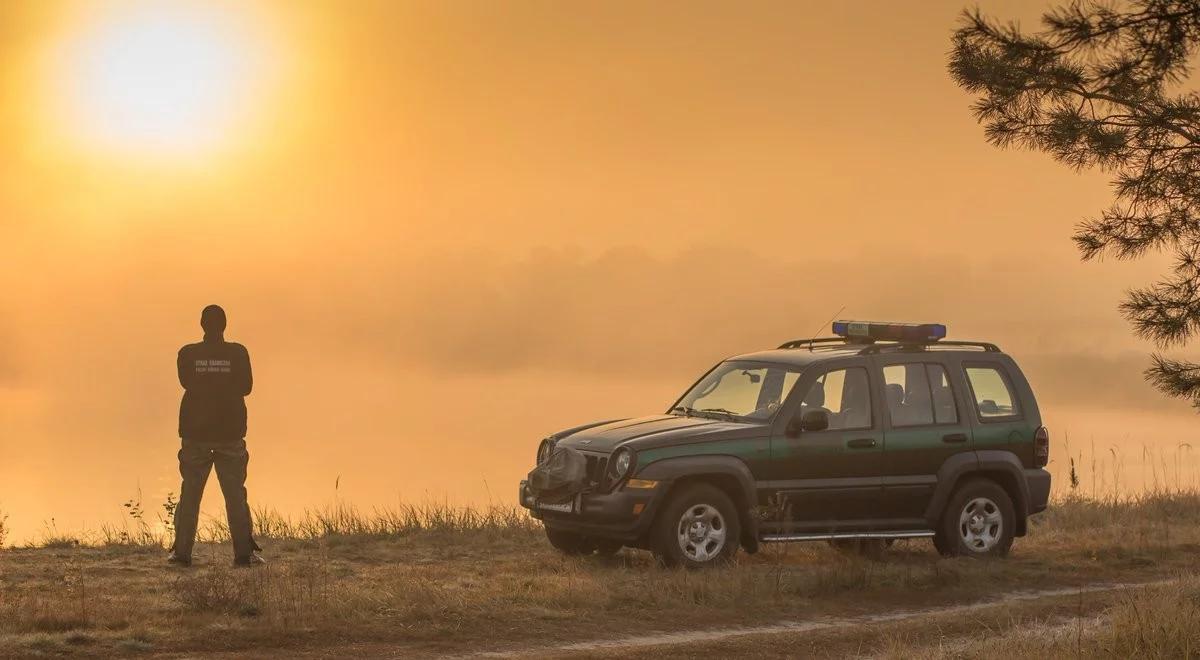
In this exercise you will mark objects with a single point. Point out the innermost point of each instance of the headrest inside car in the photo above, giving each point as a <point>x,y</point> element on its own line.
<point>815,396</point>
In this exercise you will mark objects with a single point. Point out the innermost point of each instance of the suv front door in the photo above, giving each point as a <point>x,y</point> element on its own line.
<point>925,424</point>
<point>829,480</point>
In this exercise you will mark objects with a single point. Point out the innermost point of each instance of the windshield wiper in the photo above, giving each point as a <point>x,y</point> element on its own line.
<point>720,411</point>
<point>689,412</point>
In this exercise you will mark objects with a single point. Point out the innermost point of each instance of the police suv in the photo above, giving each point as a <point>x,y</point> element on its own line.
<point>885,431</point>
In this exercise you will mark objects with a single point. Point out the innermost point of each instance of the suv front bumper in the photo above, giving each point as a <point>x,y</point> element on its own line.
<point>623,514</point>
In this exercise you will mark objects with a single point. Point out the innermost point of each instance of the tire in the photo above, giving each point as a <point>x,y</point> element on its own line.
<point>697,528</point>
<point>979,521</point>
<point>569,543</point>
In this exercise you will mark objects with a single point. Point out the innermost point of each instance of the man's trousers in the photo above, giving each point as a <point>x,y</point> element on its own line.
<point>196,460</point>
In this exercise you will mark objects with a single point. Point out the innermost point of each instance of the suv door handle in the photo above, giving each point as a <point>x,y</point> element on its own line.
<point>861,443</point>
<point>955,437</point>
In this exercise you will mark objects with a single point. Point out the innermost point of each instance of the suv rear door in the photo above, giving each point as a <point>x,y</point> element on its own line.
<point>829,480</point>
<point>925,423</point>
<point>1003,422</point>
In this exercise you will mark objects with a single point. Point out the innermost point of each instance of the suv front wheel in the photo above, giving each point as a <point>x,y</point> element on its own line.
<point>979,521</point>
<point>697,528</point>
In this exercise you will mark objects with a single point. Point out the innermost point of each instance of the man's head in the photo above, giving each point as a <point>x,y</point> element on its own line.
<point>212,319</point>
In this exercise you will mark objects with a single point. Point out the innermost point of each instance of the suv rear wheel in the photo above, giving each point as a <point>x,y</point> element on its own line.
<point>698,527</point>
<point>979,521</point>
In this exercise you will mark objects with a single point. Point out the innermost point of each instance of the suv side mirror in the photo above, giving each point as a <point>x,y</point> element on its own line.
<point>812,420</point>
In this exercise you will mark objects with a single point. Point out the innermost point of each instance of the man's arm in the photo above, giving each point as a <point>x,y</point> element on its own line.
<point>187,371</point>
<point>246,383</point>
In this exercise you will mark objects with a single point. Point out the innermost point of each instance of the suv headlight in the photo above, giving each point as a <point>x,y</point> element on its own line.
<point>544,450</point>
<point>622,463</point>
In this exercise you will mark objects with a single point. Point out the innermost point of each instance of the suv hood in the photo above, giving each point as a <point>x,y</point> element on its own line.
<point>656,431</point>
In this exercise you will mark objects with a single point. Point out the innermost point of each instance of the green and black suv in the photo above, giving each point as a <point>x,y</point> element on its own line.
<point>886,431</point>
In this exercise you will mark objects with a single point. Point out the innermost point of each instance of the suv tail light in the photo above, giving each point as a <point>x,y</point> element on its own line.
<point>1041,447</point>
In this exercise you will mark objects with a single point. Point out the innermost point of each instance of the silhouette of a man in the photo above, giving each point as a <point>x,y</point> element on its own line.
<point>216,378</point>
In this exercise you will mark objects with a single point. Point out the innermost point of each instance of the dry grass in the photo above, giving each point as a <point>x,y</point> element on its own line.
<point>347,520</point>
<point>338,520</point>
<point>435,579</point>
<point>1157,621</point>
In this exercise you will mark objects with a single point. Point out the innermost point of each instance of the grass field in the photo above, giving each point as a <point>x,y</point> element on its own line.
<point>436,580</point>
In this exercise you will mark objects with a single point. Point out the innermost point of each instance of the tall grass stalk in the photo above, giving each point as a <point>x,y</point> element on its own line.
<point>345,519</point>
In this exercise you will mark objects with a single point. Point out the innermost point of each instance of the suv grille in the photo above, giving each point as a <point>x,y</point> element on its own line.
<point>597,467</point>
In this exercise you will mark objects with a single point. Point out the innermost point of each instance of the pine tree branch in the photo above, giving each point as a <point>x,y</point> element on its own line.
<point>1092,90</point>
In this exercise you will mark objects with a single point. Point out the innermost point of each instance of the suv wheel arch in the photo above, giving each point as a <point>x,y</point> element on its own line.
<point>728,473</point>
<point>997,465</point>
<point>1006,480</point>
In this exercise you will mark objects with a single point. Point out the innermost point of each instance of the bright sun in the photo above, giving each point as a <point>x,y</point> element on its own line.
<point>159,77</point>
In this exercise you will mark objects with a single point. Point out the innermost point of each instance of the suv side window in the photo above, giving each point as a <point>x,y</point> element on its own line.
<point>845,394</point>
<point>908,398</point>
<point>993,396</point>
<point>944,410</point>
<point>919,394</point>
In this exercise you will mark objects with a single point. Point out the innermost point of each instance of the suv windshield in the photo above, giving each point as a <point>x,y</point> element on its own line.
<point>750,390</point>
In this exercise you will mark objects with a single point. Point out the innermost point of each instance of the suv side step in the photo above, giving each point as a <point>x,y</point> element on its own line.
<point>837,536</point>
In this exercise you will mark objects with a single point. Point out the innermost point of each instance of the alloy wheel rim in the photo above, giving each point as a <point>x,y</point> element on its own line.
<point>701,532</point>
<point>980,524</point>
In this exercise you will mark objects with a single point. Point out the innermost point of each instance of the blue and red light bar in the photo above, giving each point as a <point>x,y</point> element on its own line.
<point>906,333</point>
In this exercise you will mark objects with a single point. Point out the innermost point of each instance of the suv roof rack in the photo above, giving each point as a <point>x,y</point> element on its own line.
<point>868,349</point>
<point>801,343</point>
<point>983,345</point>
<point>876,336</point>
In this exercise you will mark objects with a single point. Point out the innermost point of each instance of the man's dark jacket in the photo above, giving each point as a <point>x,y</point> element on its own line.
<point>216,378</point>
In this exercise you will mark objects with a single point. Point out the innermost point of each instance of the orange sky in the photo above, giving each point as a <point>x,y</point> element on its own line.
<point>447,229</point>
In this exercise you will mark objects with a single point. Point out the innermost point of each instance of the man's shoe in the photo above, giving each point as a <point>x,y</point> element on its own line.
<point>177,560</point>
<point>252,560</point>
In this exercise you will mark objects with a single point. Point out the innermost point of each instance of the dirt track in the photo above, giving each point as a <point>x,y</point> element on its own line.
<point>697,639</point>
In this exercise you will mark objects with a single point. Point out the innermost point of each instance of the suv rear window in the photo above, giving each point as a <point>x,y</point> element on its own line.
<point>993,396</point>
<point>943,395</point>
<point>919,394</point>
